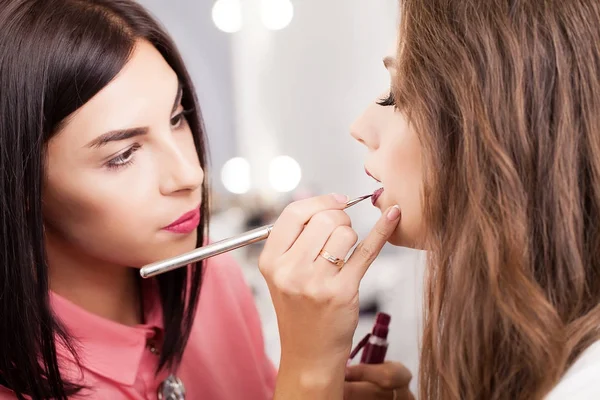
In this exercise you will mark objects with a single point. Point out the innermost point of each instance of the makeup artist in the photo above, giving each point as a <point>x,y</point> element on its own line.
<point>487,148</point>
<point>102,166</point>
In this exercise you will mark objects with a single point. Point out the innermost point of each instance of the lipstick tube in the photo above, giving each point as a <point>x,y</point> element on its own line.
<point>374,346</point>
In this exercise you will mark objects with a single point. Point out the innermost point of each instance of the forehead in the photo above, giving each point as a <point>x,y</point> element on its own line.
<point>392,48</point>
<point>143,90</point>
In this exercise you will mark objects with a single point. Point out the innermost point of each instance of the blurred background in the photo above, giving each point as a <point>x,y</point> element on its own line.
<point>279,83</point>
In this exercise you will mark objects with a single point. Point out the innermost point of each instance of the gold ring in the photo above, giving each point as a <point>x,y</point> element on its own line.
<point>338,262</point>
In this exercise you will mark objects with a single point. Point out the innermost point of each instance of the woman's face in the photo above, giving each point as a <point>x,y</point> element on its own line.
<point>123,169</point>
<point>394,159</point>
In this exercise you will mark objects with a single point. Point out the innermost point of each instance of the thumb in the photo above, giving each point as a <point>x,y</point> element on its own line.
<point>388,375</point>
<point>365,253</point>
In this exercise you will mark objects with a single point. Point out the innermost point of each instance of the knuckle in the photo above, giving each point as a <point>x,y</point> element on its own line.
<point>279,280</point>
<point>346,234</point>
<point>366,252</point>
<point>318,293</point>
<point>387,379</point>
<point>263,263</point>
<point>284,283</point>
<point>312,293</point>
<point>326,220</point>
<point>343,218</point>
<point>293,211</point>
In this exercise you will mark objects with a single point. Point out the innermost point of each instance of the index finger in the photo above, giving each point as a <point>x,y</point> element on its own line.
<point>366,252</point>
<point>292,220</point>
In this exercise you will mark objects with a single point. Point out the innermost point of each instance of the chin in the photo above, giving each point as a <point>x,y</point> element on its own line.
<point>163,250</point>
<point>400,242</point>
<point>401,238</point>
<point>183,245</point>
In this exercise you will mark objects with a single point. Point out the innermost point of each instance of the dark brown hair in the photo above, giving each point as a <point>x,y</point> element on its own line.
<point>55,55</point>
<point>505,97</point>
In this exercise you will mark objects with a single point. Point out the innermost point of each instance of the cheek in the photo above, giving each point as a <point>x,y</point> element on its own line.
<point>403,164</point>
<point>93,216</point>
<point>97,198</point>
<point>116,218</point>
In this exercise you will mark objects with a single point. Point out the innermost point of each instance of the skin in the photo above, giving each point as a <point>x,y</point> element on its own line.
<point>314,298</point>
<point>105,205</point>
<point>394,159</point>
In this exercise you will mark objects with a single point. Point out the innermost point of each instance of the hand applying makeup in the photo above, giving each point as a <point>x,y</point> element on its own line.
<point>317,301</point>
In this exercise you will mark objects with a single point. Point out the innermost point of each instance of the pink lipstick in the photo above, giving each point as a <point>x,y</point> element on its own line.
<point>376,195</point>
<point>187,223</point>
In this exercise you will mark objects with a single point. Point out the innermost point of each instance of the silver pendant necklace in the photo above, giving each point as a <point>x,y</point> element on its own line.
<point>171,389</point>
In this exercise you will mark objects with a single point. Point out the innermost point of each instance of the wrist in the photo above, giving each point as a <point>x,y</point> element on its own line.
<point>316,379</point>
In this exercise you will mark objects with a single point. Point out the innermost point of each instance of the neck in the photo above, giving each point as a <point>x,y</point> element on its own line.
<point>107,290</point>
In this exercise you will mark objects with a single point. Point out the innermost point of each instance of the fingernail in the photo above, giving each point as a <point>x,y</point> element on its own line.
<point>394,213</point>
<point>341,198</point>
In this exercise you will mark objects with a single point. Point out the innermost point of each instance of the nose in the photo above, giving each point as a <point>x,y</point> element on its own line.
<point>364,131</point>
<point>181,170</point>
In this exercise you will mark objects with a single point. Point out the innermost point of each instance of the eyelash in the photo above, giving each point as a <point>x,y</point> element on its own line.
<point>389,101</point>
<point>180,118</point>
<point>126,158</point>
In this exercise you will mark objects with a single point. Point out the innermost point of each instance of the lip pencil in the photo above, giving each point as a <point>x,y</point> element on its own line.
<point>214,249</point>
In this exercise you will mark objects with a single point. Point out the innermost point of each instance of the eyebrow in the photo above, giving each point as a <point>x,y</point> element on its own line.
<point>389,61</point>
<point>124,134</point>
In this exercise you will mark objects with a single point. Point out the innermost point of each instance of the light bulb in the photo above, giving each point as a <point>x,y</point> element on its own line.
<point>235,175</point>
<point>276,14</point>
<point>227,15</point>
<point>284,174</point>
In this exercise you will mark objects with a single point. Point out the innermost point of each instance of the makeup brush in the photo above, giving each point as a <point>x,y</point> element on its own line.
<point>214,249</point>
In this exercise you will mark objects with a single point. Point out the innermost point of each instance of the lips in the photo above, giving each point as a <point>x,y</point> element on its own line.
<point>376,195</point>
<point>185,224</point>
<point>378,192</point>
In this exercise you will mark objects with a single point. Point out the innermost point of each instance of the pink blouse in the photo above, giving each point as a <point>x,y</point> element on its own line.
<point>224,358</point>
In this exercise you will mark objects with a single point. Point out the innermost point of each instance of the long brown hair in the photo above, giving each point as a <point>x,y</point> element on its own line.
<point>505,97</point>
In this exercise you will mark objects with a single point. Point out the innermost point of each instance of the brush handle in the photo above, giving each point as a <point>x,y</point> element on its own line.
<point>207,251</point>
<point>217,248</point>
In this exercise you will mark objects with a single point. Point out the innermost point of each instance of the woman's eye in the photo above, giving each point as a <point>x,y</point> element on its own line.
<point>178,120</point>
<point>124,159</point>
<point>389,101</point>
